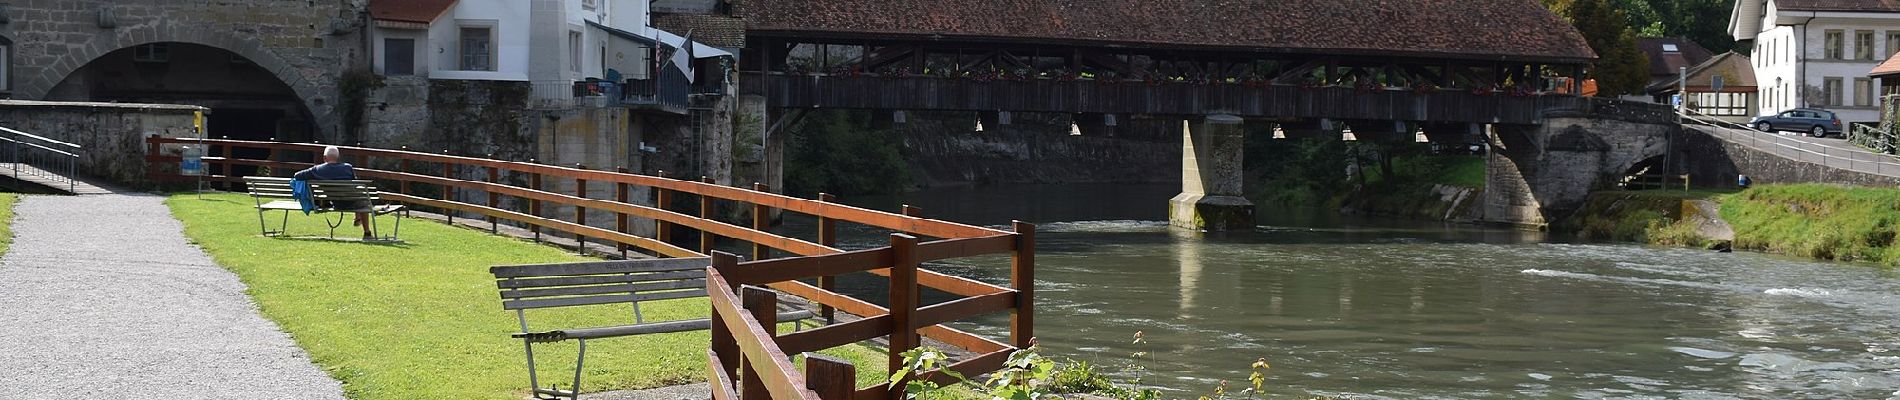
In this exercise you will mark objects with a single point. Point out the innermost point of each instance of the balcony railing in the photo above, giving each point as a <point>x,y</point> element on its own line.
<point>669,93</point>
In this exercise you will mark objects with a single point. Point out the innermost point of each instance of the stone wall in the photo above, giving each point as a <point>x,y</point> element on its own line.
<point>1714,163</point>
<point>306,43</point>
<point>111,136</point>
<point>1538,173</point>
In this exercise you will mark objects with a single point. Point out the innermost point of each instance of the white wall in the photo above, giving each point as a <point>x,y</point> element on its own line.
<point>1791,59</point>
<point>509,19</point>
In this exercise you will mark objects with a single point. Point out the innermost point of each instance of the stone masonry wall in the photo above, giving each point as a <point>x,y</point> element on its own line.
<point>1714,162</point>
<point>1540,173</point>
<point>306,43</point>
<point>111,136</point>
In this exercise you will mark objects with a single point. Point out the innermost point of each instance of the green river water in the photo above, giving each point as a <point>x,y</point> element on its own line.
<point>1363,308</point>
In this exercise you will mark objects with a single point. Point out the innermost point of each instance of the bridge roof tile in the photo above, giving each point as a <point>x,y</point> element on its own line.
<point>714,30</point>
<point>1468,29</point>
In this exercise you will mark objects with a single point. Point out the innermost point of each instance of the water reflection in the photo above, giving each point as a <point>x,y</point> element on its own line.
<point>1374,309</point>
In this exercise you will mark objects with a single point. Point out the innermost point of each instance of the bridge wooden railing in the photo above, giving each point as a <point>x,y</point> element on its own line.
<point>744,332</point>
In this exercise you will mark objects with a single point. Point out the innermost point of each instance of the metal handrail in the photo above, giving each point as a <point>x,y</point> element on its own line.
<point>40,158</point>
<point>40,138</point>
<point>1827,156</point>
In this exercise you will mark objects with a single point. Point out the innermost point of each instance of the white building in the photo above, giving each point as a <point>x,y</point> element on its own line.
<point>1816,53</point>
<point>551,44</point>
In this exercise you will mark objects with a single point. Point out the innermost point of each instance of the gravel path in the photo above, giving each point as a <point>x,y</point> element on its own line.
<point>102,297</point>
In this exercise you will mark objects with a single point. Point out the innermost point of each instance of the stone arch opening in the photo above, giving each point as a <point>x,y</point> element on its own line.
<point>247,101</point>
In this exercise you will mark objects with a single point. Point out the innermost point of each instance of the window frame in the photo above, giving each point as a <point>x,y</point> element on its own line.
<point>152,53</point>
<point>1833,43</point>
<point>6,65</point>
<point>410,55</point>
<point>1831,88</point>
<point>574,53</point>
<point>462,45</point>
<point>1864,49</point>
<point>1863,92</point>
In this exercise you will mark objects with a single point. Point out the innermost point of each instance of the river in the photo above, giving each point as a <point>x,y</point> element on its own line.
<point>1364,308</point>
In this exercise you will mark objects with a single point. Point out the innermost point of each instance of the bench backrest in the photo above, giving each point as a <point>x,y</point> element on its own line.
<point>347,190</point>
<point>525,287</point>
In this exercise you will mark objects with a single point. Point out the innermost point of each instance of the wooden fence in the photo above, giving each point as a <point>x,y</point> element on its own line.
<point>744,329</point>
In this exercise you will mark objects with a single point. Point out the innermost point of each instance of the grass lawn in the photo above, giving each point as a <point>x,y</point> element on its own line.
<point>422,320</point>
<point>7,201</point>
<point>1816,220</point>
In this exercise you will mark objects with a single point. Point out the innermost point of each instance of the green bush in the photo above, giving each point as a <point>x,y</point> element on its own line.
<point>837,152</point>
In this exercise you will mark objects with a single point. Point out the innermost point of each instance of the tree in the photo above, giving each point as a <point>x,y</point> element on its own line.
<point>1620,68</point>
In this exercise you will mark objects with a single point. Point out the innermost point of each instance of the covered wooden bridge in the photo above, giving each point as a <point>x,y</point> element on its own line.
<point>1387,68</point>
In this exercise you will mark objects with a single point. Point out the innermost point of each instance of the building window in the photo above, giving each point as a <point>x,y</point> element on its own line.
<point>1834,43</point>
<point>574,51</point>
<point>590,5</point>
<point>478,48</point>
<point>1863,92</point>
<point>1863,45</point>
<point>152,53</point>
<point>1831,92</point>
<point>6,66</point>
<point>1893,43</point>
<point>1722,104</point>
<point>399,57</point>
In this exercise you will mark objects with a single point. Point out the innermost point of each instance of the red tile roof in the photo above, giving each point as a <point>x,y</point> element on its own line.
<point>1473,29</point>
<point>418,11</point>
<point>1889,67</point>
<point>1839,5</point>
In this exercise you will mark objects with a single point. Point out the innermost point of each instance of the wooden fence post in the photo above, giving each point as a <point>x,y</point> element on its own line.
<point>580,213</point>
<point>620,218</point>
<point>903,303</point>
<point>494,199</point>
<point>705,212</point>
<point>534,205</point>
<point>832,378</point>
<point>913,212</point>
<point>828,237</point>
<point>762,222</point>
<point>224,168</point>
<point>662,199</point>
<point>448,192</point>
<point>723,343</point>
<point>403,167</point>
<point>763,304</point>
<point>1022,277</point>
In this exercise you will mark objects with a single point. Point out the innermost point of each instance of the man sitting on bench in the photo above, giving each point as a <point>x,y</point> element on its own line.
<point>332,169</point>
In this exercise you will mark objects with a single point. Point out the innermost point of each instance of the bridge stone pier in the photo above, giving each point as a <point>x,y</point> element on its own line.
<point>1212,177</point>
<point>1536,174</point>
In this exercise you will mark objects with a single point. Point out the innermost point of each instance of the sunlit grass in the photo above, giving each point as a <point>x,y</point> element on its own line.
<point>422,320</point>
<point>7,201</point>
<point>1815,220</point>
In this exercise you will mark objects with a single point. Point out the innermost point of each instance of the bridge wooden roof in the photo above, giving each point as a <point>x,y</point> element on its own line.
<point>1518,30</point>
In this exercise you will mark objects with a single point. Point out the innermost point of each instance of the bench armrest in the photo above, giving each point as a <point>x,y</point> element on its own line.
<point>639,329</point>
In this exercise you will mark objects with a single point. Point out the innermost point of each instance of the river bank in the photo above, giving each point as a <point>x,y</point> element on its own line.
<point>1825,222</point>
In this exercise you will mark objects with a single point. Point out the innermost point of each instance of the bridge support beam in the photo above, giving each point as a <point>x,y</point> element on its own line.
<point>1212,177</point>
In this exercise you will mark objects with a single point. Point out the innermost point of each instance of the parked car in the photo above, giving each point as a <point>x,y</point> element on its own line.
<point>1812,121</point>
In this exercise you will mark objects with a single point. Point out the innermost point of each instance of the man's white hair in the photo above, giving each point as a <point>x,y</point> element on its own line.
<point>332,152</point>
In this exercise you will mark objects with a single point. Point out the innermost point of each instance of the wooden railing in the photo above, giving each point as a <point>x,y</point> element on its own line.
<point>744,329</point>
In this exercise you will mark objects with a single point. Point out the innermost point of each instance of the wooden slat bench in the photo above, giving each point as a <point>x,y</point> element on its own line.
<point>526,287</point>
<point>341,197</point>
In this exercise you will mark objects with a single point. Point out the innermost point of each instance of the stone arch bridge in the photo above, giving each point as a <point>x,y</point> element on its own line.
<point>304,44</point>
